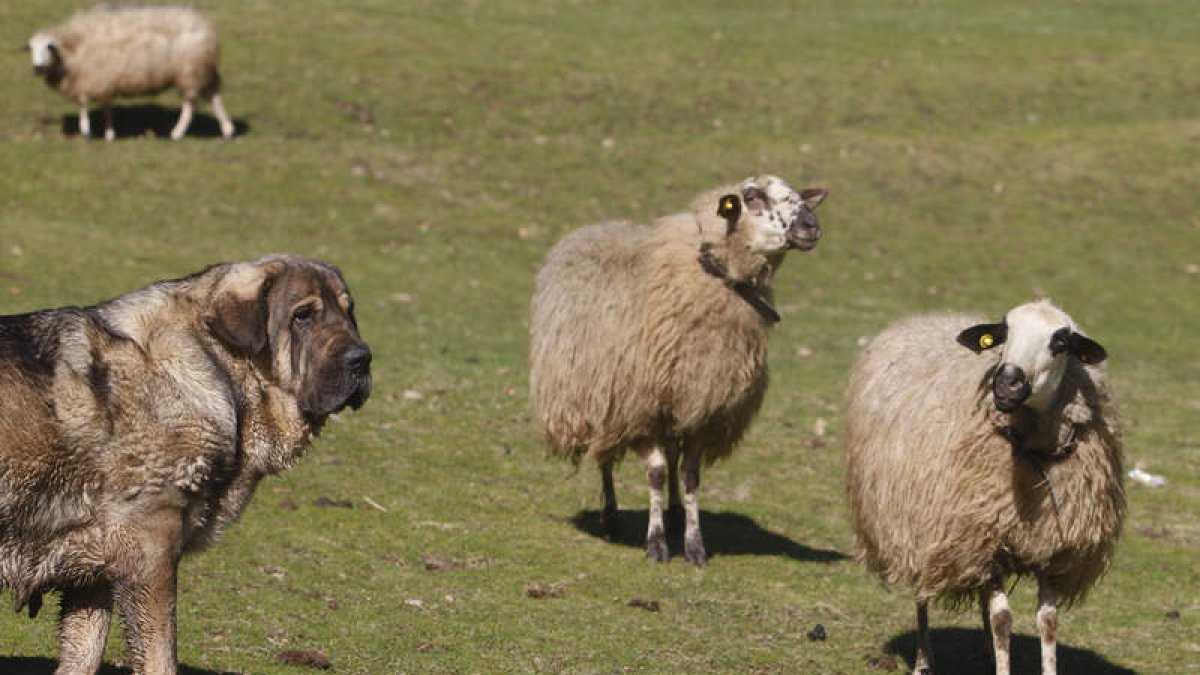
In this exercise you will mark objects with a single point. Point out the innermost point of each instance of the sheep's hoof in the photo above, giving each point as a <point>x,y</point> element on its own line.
<point>693,552</point>
<point>656,548</point>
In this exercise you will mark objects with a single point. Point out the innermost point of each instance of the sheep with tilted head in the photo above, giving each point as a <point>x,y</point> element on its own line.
<point>966,468</point>
<point>112,51</point>
<point>653,339</point>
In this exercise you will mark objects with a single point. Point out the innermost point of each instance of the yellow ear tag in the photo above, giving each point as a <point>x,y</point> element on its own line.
<point>728,205</point>
<point>986,341</point>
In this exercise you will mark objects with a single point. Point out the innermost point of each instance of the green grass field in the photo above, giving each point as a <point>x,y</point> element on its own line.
<point>978,155</point>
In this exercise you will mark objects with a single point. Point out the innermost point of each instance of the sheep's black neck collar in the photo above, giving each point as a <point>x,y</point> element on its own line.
<point>745,290</point>
<point>1024,446</point>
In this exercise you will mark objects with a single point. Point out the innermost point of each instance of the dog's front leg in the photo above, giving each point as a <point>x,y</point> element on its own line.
<point>84,619</point>
<point>146,592</point>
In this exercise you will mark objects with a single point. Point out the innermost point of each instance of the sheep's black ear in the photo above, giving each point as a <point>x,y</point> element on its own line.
<point>813,197</point>
<point>1086,349</point>
<point>984,336</point>
<point>729,207</point>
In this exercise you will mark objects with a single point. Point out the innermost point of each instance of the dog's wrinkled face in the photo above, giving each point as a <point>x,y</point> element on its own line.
<point>312,327</point>
<point>779,217</point>
<point>43,52</point>
<point>297,314</point>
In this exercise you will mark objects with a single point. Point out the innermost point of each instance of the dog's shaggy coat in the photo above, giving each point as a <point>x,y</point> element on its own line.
<point>137,429</point>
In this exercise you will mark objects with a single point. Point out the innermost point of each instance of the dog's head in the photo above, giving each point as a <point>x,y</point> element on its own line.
<point>295,316</point>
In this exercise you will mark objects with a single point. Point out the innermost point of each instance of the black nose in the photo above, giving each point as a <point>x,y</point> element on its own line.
<point>357,359</point>
<point>1010,388</point>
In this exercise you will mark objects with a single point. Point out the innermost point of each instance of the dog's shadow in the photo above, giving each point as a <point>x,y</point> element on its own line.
<point>725,533</point>
<point>40,665</point>
<point>132,121</point>
<point>962,650</point>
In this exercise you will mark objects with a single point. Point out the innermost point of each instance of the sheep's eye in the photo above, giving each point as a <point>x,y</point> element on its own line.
<point>1059,342</point>
<point>304,314</point>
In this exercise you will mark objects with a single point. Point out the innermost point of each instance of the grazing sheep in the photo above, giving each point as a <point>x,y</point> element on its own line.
<point>115,50</point>
<point>967,469</point>
<point>653,339</point>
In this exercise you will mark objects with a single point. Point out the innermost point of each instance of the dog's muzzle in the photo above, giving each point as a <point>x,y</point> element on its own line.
<point>357,361</point>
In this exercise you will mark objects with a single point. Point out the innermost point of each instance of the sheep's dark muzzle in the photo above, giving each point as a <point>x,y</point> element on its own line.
<point>41,71</point>
<point>805,231</point>
<point>1010,388</point>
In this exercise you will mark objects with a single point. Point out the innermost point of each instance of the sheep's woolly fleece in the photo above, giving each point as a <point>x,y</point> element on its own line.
<point>941,499</point>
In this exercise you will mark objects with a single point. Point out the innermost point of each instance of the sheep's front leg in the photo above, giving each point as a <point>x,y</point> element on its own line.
<point>656,534</point>
<point>1047,623</point>
<point>227,127</point>
<point>1000,620</point>
<point>110,132</point>
<point>608,516</point>
<point>84,620</point>
<point>923,662</point>
<point>674,503</point>
<point>693,542</point>
<point>985,614</point>
<point>185,120</point>
<point>85,122</point>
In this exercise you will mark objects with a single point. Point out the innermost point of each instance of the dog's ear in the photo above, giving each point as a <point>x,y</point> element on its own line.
<point>239,309</point>
<point>983,337</point>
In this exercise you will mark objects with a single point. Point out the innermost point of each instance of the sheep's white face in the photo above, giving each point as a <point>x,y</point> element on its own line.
<point>1030,349</point>
<point>779,217</point>
<point>42,51</point>
<point>1038,338</point>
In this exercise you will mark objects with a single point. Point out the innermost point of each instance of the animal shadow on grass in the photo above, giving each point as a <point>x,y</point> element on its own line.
<point>40,665</point>
<point>132,121</point>
<point>962,650</point>
<point>725,533</point>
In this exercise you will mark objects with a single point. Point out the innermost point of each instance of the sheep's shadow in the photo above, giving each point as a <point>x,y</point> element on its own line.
<point>133,121</point>
<point>962,650</point>
<point>40,665</point>
<point>725,533</point>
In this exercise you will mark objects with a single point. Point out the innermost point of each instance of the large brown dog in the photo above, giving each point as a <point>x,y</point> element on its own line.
<point>137,429</point>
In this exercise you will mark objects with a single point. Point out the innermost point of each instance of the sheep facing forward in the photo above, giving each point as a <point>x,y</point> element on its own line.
<point>965,470</point>
<point>113,50</point>
<point>653,339</point>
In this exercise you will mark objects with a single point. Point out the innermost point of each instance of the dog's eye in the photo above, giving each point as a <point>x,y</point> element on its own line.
<point>304,314</point>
